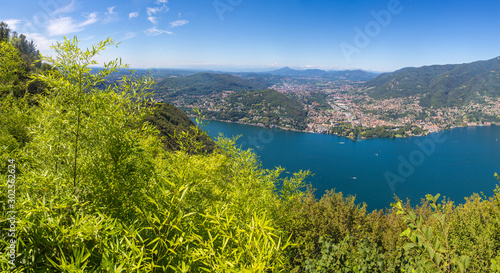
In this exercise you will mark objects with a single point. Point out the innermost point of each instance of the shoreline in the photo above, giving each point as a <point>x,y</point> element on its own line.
<point>252,124</point>
<point>304,131</point>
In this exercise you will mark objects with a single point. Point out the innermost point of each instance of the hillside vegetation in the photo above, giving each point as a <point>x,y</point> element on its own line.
<point>440,85</point>
<point>202,84</point>
<point>175,127</point>
<point>91,189</point>
<point>267,107</point>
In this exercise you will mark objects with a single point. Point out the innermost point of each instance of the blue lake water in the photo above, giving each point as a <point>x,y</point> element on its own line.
<point>454,163</point>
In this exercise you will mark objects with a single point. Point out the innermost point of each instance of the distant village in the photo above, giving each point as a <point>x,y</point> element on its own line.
<point>349,105</point>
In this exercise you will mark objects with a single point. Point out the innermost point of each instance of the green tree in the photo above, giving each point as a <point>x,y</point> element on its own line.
<point>11,69</point>
<point>4,32</point>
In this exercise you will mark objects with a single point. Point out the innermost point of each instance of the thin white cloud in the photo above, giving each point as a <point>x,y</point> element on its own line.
<point>129,35</point>
<point>13,24</point>
<point>161,1</point>
<point>66,9</point>
<point>155,32</point>
<point>42,43</point>
<point>111,15</point>
<point>133,15</point>
<point>91,19</point>
<point>65,25</point>
<point>152,11</point>
<point>89,38</point>
<point>178,23</point>
<point>111,10</point>
<point>153,20</point>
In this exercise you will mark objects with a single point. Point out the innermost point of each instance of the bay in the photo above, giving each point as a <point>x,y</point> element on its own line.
<point>455,163</point>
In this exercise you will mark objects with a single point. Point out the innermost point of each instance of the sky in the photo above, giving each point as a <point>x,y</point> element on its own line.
<point>258,35</point>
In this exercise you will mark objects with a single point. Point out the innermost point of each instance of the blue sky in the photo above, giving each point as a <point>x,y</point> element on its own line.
<point>376,35</point>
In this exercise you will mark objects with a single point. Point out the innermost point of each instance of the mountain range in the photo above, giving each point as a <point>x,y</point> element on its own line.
<point>201,84</point>
<point>353,75</point>
<point>440,85</point>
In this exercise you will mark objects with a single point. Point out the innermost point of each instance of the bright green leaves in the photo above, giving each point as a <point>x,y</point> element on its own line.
<point>433,245</point>
<point>95,139</point>
<point>11,69</point>
<point>495,265</point>
<point>293,187</point>
<point>73,65</point>
<point>231,245</point>
<point>347,256</point>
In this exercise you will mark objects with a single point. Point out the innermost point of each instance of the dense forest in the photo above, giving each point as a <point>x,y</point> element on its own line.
<point>354,132</point>
<point>440,85</point>
<point>91,187</point>
<point>270,105</point>
<point>202,84</point>
<point>175,127</point>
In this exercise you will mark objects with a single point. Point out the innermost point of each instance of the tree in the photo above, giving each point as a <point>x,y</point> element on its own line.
<point>28,52</point>
<point>4,32</point>
<point>11,69</point>
<point>86,128</point>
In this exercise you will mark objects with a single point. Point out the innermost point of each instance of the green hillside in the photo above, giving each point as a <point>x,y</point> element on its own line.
<point>271,106</point>
<point>172,124</point>
<point>440,85</point>
<point>202,84</point>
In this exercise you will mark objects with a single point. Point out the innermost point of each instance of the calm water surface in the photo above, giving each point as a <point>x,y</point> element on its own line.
<point>455,163</point>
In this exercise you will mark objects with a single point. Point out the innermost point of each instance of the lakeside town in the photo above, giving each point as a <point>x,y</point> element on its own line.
<point>343,108</point>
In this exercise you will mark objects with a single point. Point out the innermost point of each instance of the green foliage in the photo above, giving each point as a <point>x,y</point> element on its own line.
<point>135,207</point>
<point>28,52</point>
<point>318,100</point>
<point>345,257</point>
<point>205,84</point>
<point>4,32</point>
<point>175,126</point>
<point>307,219</point>
<point>11,69</point>
<point>346,129</point>
<point>273,107</point>
<point>433,246</point>
<point>18,58</point>
<point>92,136</point>
<point>474,230</point>
<point>440,85</point>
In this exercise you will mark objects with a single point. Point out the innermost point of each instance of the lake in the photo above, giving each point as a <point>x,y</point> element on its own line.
<point>455,163</point>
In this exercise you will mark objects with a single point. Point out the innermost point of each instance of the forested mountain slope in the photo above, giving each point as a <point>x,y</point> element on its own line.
<point>172,122</point>
<point>440,85</point>
<point>202,84</point>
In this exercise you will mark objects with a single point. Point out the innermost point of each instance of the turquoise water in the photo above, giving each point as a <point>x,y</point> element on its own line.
<point>455,163</point>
